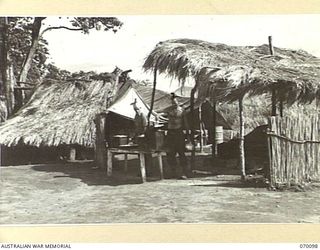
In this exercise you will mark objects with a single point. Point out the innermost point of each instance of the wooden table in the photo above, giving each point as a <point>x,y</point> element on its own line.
<point>136,151</point>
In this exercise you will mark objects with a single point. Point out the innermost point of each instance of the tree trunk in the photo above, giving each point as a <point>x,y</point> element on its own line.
<point>3,52</point>
<point>7,79</point>
<point>28,60</point>
<point>241,141</point>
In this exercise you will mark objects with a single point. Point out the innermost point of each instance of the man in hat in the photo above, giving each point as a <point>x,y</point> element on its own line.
<point>176,139</point>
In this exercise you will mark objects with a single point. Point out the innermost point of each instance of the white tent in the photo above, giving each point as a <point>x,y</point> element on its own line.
<point>123,106</point>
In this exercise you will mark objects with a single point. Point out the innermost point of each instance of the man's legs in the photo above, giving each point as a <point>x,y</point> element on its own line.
<point>172,162</point>
<point>183,163</point>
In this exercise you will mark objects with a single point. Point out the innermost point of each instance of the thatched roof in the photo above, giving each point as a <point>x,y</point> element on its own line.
<point>58,113</point>
<point>229,72</point>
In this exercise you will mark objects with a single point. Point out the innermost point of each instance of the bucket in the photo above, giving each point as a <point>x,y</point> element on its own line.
<point>219,134</point>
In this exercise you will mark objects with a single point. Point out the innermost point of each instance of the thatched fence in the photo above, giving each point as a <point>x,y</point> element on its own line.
<point>294,150</point>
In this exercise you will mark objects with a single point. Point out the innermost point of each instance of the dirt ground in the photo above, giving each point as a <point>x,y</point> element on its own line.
<point>76,193</point>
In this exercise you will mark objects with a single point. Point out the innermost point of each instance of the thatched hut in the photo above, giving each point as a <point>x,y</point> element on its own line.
<point>58,113</point>
<point>228,73</point>
<point>295,74</point>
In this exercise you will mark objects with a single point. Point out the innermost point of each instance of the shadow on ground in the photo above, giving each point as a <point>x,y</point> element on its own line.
<point>87,173</point>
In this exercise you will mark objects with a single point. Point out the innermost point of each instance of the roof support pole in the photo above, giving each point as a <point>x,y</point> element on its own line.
<point>193,152</point>
<point>201,129</point>
<point>241,141</point>
<point>153,92</point>
<point>100,143</point>
<point>273,97</point>
<point>214,139</point>
<point>281,107</point>
<point>273,102</point>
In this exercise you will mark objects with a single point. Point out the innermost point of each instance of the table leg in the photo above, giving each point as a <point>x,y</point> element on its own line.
<point>125,162</point>
<point>143,167</point>
<point>109,163</point>
<point>159,156</point>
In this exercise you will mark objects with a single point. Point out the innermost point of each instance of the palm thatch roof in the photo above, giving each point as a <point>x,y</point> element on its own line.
<point>59,112</point>
<point>227,72</point>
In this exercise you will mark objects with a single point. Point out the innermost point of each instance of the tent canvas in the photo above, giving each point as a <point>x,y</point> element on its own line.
<point>123,105</point>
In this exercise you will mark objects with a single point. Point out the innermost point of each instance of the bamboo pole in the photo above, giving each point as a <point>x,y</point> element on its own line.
<point>241,141</point>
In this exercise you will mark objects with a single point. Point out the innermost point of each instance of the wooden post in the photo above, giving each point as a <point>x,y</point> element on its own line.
<point>153,93</point>
<point>270,45</point>
<point>101,150</point>
<point>159,156</point>
<point>273,91</point>
<point>125,162</point>
<point>241,141</point>
<point>193,152</point>
<point>143,167</point>
<point>281,107</point>
<point>109,163</point>
<point>214,142</point>
<point>72,154</point>
<point>201,130</point>
<point>273,102</point>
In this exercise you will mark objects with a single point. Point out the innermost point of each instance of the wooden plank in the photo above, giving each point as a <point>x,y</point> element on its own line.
<point>143,167</point>
<point>130,151</point>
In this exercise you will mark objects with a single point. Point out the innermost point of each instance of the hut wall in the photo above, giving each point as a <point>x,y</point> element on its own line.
<point>24,154</point>
<point>294,150</point>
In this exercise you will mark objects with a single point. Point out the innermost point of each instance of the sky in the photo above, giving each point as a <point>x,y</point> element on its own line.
<point>101,51</point>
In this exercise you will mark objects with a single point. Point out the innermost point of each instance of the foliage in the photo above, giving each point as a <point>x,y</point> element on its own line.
<point>20,39</point>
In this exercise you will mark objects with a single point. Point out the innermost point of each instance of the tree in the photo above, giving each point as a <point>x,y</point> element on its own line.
<point>83,24</point>
<point>28,48</point>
